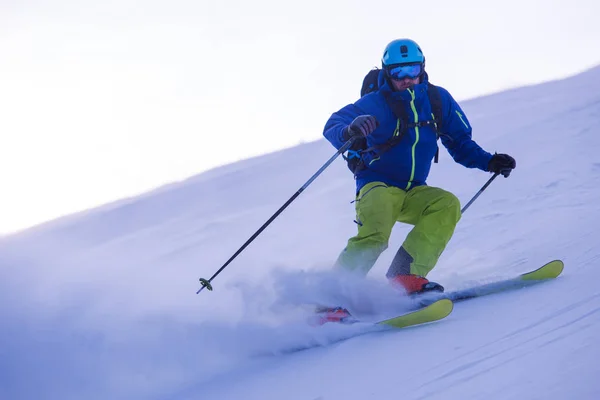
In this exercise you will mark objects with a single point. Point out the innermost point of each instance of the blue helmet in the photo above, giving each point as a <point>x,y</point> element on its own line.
<point>402,51</point>
<point>403,58</point>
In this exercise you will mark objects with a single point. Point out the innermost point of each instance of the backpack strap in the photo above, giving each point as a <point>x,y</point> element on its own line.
<point>435,99</point>
<point>403,118</point>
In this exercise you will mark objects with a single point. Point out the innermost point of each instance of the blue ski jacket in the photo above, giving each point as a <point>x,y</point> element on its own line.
<point>407,164</point>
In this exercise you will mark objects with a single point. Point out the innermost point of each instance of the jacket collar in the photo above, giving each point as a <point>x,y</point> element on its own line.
<point>404,94</point>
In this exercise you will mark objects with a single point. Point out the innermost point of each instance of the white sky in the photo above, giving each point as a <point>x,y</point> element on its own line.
<point>101,100</point>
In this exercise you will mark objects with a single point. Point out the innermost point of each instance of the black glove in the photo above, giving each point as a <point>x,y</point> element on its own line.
<point>362,126</point>
<point>502,164</point>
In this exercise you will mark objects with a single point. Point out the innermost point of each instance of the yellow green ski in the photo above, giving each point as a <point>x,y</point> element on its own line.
<point>546,272</point>
<point>433,312</point>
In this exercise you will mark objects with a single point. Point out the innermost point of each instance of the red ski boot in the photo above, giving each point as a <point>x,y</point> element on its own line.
<point>414,284</point>
<point>336,314</point>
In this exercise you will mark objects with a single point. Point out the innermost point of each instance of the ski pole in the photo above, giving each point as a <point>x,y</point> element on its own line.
<point>206,283</point>
<point>478,193</point>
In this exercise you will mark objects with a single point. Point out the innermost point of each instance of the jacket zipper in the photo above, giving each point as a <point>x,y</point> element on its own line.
<point>414,146</point>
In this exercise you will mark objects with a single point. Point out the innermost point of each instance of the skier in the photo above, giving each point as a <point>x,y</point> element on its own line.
<point>398,136</point>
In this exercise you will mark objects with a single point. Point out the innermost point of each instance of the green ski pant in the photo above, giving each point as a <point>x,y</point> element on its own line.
<point>434,213</point>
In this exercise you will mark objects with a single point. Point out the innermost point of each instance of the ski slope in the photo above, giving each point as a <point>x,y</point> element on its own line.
<point>102,304</point>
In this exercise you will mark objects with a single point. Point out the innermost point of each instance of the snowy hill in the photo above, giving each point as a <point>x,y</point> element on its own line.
<point>102,304</point>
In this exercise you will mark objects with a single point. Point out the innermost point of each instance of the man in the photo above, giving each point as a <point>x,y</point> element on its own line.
<point>390,181</point>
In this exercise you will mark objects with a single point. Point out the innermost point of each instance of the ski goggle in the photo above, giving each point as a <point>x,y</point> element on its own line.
<point>400,72</point>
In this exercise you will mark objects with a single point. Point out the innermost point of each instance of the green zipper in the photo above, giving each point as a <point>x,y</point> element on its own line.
<point>414,109</point>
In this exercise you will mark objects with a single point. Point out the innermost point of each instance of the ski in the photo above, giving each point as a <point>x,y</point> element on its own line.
<point>433,312</point>
<point>546,272</point>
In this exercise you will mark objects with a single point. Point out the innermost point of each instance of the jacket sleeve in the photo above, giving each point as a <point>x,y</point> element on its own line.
<point>338,122</point>
<point>456,136</point>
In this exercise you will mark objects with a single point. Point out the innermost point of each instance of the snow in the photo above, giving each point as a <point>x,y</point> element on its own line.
<point>102,304</point>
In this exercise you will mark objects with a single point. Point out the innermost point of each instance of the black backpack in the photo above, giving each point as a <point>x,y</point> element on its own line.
<point>371,84</point>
